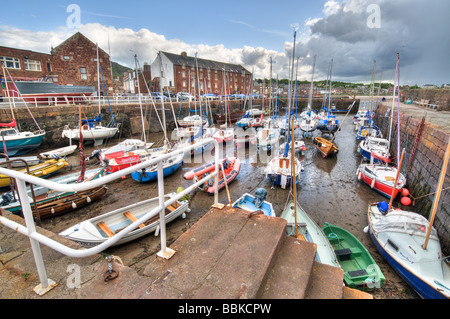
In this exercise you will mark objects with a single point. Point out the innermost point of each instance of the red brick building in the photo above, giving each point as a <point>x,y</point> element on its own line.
<point>181,73</point>
<point>74,62</point>
<point>25,64</point>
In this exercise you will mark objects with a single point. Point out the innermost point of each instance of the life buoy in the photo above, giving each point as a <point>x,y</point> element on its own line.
<point>85,128</point>
<point>364,133</point>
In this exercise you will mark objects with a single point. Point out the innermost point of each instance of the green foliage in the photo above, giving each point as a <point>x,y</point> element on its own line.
<point>118,69</point>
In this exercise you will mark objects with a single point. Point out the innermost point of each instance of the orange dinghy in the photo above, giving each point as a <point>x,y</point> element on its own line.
<point>231,167</point>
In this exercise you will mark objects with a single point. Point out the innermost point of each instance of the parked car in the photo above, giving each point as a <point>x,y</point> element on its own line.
<point>209,96</point>
<point>185,96</point>
<point>158,96</point>
<point>169,94</point>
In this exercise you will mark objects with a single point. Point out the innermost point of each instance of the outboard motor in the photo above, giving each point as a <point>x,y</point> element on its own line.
<point>260,197</point>
<point>97,154</point>
<point>6,199</point>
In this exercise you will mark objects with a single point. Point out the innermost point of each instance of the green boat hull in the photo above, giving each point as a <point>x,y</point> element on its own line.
<point>360,269</point>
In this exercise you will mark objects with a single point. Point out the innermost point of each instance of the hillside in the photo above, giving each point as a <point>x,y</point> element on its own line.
<point>118,69</point>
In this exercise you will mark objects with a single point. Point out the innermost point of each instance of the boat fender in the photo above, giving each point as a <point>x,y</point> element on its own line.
<point>157,231</point>
<point>183,216</point>
<point>372,184</point>
<point>74,205</point>
<point>366,229</point>
<point>383,207</point>
<point>88,199</point>
<point>359,175</point>
<point>52,210</point>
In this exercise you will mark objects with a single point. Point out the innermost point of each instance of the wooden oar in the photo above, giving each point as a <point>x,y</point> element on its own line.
<point>436,199</point>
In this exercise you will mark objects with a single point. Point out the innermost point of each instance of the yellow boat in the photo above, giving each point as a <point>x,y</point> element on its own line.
<point>40,170</point>
<point>325,146</point>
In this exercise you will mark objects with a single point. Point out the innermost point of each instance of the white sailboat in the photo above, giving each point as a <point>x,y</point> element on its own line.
<point>280,169</point>
<point>15,142</point>
<point>308,121</point>
<point>410,244</point>
<point>380,175</point>
<point>225,133</point>
<point>92,129</point>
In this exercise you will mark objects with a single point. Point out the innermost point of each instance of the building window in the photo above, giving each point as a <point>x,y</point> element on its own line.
<point>66,57</point>
<point>10,63</point>
<point>32,65</point>
<point>83,73</point>
<point>49,67</point>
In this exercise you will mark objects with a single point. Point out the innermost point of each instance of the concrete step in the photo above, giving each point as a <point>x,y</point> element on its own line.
<point>326,282</point>
<point>227,254</point>
<point>290,274</point>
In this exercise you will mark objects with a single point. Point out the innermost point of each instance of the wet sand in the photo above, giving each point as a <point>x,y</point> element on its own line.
<point>328,190</point>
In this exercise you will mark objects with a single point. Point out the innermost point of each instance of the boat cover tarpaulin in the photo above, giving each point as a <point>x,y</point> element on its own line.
<point>404,222</point>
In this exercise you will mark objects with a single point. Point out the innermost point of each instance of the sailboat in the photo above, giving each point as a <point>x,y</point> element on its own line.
<point>203,133</point>
<point>92,129</point>
<point>301,226</point>
<point>171,164</point>
<point>380,146</point>
<point>327,147</point>
<point>410,244</point>
<point>380,176</point>
<point>14,142</point>
<point>365,125</point>
<point>225,133</point>
<point>327,122</point>
<point>281,169</point>
<point>308,122</point>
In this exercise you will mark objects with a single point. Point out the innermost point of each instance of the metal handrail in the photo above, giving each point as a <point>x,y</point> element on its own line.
<point>36,238</point>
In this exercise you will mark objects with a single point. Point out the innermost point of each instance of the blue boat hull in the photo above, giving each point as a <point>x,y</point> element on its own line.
<point>143,177</point>
<point>424,290</point>
<point>366,155</point>
<point>22,146</point>
<point>276,179</point>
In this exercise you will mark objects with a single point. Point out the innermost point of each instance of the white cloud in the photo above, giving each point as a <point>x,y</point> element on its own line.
<point>331,7</point>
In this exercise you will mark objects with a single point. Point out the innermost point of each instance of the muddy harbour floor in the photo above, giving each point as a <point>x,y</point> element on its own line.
<point>328,190</point>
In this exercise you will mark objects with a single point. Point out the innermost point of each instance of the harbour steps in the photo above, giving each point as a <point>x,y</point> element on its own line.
<point>227,254</point>
<point>233,254</point>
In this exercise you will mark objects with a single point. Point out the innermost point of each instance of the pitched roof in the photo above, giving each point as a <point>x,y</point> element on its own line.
<point>183,59</point>
<point>75,37</point>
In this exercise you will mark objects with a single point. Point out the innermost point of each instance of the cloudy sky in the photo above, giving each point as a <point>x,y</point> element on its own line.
<point>353,33</point>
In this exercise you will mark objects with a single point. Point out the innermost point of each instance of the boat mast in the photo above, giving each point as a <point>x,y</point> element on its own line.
<point>438,194</point>
<point>293,183</point>
<point>271,91</point>
<point>166,141</point>
<point>392,109</point>
<point>7,92</point>
<point>98,83</point>
<point>329,93</point>
<point>139,97</point>
<point>312,84</point>
<point>372,86</point>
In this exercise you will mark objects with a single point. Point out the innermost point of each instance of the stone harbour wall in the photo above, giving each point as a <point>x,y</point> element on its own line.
<point>422,171</point>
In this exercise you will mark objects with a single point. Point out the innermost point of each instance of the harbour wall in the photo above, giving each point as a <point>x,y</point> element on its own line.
<point>423,170</point>
<point>52,119</point>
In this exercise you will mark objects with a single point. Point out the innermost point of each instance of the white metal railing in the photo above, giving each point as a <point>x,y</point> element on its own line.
<point>36,238</point>
<point>114,100</point>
